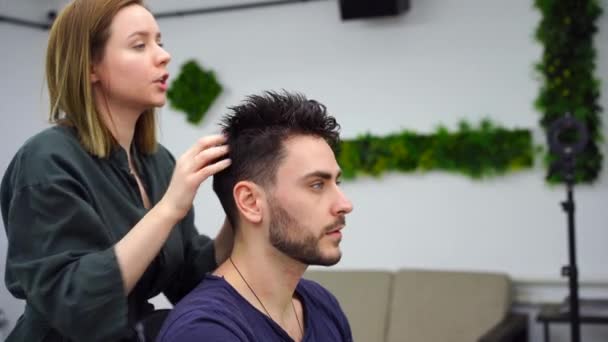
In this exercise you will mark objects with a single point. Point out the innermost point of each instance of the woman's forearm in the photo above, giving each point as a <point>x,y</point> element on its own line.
<point>136,250</point>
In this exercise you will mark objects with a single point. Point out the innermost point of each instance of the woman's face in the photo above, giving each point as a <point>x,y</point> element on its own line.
<point>133,70</point>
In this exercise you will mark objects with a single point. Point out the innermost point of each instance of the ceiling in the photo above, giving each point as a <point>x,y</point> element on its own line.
<point>37,11</point>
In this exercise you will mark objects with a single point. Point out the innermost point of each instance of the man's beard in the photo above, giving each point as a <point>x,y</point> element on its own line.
<point>294,240</point>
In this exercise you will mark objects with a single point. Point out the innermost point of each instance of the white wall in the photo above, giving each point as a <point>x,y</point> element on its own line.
<point>22,113</point>
<point>443,61</point>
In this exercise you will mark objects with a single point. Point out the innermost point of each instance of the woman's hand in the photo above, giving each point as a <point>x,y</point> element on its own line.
<point>191,169</point>
<point>136,250</point>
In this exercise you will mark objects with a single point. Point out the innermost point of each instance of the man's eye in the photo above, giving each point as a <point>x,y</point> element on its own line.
<point>317,186</point>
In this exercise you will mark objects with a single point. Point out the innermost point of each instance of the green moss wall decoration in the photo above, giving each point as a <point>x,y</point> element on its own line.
<point>194,91</point>
<point>567,69</point>
<point>476,152</point>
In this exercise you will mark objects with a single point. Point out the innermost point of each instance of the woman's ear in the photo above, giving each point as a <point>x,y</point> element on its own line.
<point>247,196</point>
<point>94,76</point>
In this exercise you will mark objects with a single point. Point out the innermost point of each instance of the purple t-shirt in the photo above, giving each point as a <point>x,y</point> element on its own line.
<point>214,311</point>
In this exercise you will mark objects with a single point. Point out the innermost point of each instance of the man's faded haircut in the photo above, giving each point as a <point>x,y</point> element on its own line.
<point>256,131</point>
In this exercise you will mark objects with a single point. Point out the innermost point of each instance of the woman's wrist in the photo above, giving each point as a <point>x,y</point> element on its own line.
<point>168,212</point>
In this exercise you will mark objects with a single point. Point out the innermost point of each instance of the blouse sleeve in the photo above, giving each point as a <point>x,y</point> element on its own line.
<point>61,258</point>
<point>199,259</point>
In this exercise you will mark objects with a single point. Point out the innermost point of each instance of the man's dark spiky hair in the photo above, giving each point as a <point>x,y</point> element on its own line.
<point>256,130</point>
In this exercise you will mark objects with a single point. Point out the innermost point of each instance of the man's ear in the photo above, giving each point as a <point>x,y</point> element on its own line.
<point>248,199</point>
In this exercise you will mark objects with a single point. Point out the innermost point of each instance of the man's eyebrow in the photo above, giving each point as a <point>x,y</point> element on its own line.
<point>144,33</point>
<point>322,174</point>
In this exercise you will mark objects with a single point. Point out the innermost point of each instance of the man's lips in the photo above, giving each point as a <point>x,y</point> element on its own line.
<point>336,229</point>
<point>338,225</point>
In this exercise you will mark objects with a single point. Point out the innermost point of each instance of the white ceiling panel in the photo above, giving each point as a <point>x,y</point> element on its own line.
<point>38,10</point>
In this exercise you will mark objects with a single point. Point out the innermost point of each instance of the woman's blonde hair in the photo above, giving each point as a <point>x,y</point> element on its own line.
<point>76,41</point>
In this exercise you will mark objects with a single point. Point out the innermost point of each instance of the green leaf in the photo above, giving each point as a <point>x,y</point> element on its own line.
<point>194,91</point>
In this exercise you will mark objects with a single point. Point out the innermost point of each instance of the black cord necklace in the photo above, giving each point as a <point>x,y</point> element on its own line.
<point>262,304</point>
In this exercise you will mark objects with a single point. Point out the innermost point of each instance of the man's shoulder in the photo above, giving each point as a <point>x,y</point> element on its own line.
<point>213,296</point>
<point>319,296</point>
<point>325,311</point>
<point>210,311</point>
<point>313,288</point>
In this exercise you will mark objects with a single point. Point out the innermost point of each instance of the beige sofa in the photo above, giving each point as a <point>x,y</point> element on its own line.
<point>425,306</point>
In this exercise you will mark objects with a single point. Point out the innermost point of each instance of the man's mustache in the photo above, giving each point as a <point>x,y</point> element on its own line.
<point>340,221</point>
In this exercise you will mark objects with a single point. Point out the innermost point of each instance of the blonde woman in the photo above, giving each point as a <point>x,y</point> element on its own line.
<point>98,214</point>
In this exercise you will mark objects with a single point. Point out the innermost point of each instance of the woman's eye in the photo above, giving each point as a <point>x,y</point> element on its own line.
<point>139,46</point>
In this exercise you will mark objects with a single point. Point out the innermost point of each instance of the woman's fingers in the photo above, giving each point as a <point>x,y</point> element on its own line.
<point>204,159</point>
<point>208,156</point>
<point>212,169</point>
<point>205,143</point>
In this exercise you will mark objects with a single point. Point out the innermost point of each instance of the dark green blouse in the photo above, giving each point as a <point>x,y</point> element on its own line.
<point>64,210</point>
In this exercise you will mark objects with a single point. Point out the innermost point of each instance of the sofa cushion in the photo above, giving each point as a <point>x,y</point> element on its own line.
<point>431,306</point>
<point>364,297</point>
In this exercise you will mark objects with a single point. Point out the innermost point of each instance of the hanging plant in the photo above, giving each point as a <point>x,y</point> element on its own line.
<point>569,84</point>
<point>193,91</point>
<point>475,152</point>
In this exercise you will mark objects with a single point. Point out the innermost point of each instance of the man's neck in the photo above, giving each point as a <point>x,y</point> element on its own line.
<point>265,273</point>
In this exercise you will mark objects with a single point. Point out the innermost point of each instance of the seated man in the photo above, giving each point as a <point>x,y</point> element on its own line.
<point>282,196</point>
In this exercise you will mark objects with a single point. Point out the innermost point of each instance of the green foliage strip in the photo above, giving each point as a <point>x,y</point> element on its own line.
<point>567,69</point>
<point>476,152</point>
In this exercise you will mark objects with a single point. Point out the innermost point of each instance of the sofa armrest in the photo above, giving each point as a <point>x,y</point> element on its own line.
<point>514,328</point>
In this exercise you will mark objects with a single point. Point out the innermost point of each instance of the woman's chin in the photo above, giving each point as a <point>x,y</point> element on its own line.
<point>157,103</point>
